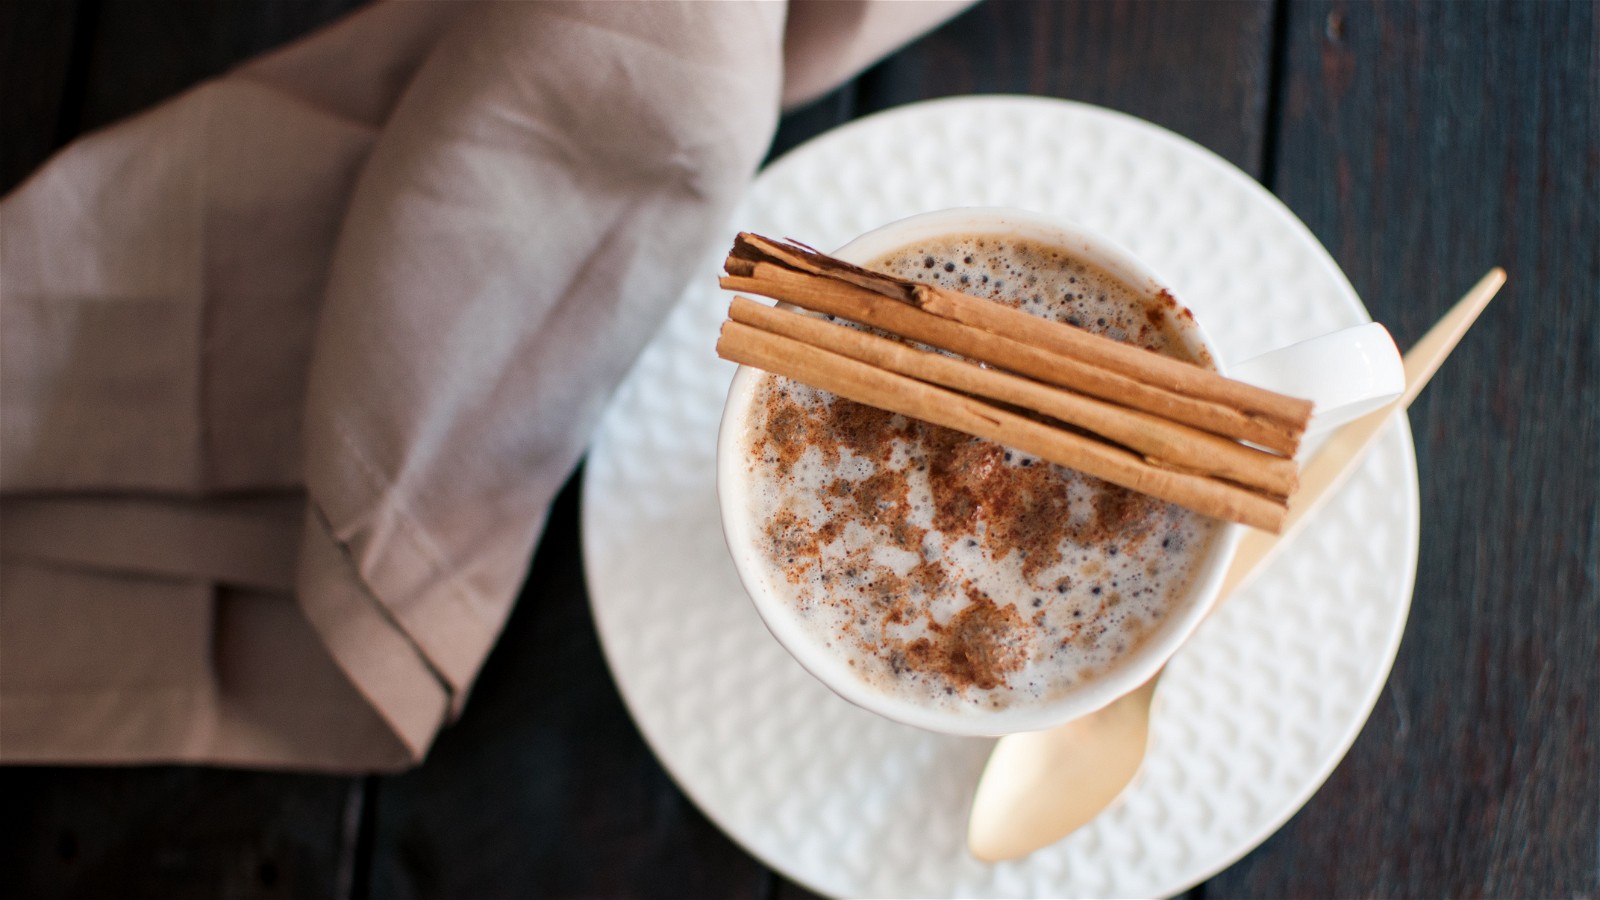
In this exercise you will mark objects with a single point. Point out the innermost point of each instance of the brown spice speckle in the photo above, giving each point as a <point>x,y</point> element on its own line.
<point>976,648</point>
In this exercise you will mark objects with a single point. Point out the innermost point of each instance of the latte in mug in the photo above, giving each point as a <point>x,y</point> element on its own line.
<point>947,570</point>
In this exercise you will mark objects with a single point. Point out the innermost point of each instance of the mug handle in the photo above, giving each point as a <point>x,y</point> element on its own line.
<point>1346,374</point>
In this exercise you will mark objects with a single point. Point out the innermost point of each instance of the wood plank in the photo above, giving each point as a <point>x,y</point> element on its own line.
<point>36,52</point>
<point>174,833</point>
<point>545,787</point>
<point>1423,143</point>
<point>1200,69</point>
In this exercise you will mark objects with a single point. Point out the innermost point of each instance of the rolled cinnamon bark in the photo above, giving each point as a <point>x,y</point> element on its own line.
<point>1160,441</point>
<point>1282,419</point>
<point>868,307</point>
<point>865,383</point>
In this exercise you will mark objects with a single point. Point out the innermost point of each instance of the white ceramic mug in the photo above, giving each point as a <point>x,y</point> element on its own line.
<point>1345,374</point>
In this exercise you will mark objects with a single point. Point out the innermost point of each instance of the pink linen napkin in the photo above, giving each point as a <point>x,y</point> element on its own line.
<point>292,365</point>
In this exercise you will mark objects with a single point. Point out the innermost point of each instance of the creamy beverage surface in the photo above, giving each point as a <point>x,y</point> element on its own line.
<point>949,570</point>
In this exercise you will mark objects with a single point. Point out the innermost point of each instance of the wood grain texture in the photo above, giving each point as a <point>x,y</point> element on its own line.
<point>1200,69</point>
<point>1424,143</point>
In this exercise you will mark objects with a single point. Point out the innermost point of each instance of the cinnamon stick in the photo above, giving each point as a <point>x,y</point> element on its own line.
<point>849,300</point>
<point>864,383</point>
<point>1288,414</point>
<point>1161,442</point>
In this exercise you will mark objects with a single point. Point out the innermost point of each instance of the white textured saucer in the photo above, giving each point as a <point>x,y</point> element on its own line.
<point>1252,715</point>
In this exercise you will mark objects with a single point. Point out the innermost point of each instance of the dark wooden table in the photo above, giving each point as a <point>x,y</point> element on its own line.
<point>1421,141</point>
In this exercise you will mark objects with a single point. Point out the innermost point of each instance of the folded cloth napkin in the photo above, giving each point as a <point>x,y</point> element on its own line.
<point>292,365</point>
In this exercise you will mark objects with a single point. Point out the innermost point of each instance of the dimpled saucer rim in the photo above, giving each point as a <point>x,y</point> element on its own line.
<point>1252,716</point>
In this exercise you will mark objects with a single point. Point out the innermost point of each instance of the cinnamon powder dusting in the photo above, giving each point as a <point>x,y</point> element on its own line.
<point>976,648</point>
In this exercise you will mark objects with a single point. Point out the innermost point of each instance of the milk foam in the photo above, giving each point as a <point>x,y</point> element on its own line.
<point>946,569</point>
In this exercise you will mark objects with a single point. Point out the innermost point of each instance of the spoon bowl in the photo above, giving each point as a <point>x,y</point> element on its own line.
<point>1008,816</point>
